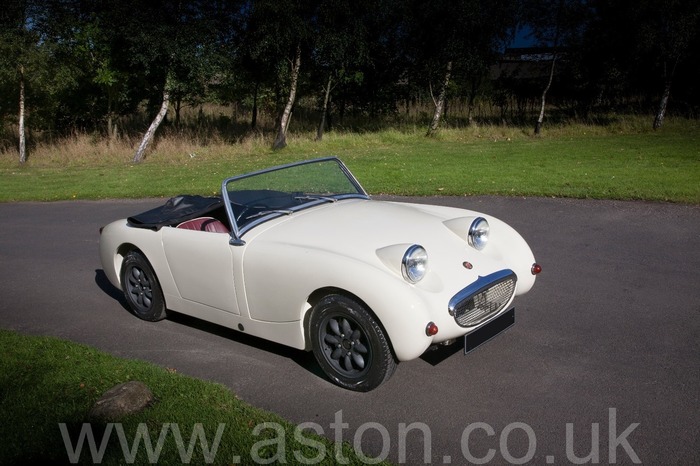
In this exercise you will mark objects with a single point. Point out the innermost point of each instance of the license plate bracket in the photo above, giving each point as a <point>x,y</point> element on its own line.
<point>487,332</point>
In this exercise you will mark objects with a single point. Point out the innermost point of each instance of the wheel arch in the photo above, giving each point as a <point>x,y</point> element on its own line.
<point>120,254</point>
<point>316,296</point>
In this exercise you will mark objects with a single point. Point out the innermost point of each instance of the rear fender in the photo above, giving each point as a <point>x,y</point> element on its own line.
<point>118,239</point>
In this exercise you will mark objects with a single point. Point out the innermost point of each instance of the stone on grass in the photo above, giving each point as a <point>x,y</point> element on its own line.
<point>126,398</point>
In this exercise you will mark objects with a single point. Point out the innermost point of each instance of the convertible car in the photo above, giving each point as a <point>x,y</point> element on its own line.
<point>301,255</point>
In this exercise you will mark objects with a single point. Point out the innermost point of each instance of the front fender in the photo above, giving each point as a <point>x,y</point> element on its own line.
<point>280,278</point>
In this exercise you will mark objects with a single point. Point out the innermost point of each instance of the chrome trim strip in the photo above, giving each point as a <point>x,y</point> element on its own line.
<point>478,286</point>
<point>235,239</point>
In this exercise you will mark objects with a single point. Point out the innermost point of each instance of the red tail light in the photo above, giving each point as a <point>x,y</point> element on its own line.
<point>536,268</point>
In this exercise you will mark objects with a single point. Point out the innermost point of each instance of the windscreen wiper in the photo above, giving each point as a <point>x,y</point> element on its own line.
<point>313,197</point>
<point>267,212</point>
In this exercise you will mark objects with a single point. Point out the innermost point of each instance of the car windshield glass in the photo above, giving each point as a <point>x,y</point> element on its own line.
<point>266,194</point>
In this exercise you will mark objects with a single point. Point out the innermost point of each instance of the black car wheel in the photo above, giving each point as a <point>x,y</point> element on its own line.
<point>141,288</point>
<point>349,344</point>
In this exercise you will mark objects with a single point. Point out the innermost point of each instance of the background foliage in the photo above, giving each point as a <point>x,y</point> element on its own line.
<point>100,67</point>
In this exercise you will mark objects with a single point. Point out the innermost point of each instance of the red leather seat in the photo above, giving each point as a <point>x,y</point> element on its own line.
<point>204,224</point>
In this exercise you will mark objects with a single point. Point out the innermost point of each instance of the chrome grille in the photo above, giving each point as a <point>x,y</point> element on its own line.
<point>483,298</point>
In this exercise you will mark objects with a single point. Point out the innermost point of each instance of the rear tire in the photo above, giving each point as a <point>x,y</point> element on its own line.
<point>141,288</point>
<point>350,345</point>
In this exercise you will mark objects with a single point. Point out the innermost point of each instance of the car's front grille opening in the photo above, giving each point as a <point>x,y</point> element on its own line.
<point>483,299</point>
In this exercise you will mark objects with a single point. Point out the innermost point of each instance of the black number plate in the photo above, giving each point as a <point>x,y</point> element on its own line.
<point>485,333</point>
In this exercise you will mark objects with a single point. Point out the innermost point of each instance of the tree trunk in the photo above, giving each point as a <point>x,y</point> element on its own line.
<point>22,137</point>
<point>281,139</point>
<point>178,107</point>
<point>254,118</point>
<point>111,128</point>
<point>148,137</point>
<point>440,103</point>
<point>324,110</point>
<point>661,113</point>
<point>111,123</point>
<point>540,119</point>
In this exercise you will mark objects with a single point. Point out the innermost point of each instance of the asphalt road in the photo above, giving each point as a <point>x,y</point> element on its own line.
<point>602,365</point>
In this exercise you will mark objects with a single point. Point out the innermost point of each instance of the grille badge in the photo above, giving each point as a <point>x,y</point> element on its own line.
<point>467,265</point>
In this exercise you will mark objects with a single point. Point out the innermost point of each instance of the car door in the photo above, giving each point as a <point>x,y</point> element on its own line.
<point>201,263</point>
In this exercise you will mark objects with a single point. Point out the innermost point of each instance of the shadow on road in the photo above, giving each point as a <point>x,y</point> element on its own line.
<point>304,359</point>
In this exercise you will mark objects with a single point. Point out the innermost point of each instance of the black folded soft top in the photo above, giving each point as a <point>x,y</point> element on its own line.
<point>176,210</point>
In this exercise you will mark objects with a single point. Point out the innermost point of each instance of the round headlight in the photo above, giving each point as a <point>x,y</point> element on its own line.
<point>478,235</point>
<point>414,263</point>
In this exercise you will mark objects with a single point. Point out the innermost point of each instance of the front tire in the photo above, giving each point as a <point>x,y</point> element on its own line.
<point>349,344</point>
<point>141,288</point>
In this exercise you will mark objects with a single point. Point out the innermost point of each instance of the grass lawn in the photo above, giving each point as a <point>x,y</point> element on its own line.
<point>48,385</point>
<point>587,163</point>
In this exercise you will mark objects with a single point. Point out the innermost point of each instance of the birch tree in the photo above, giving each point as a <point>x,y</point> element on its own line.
<point>22,135</point>
<point>23,62</point>
<point>150,133</point>
<point>271,55</point>
<point>173,42</point>
<point>668,29</point>
<point>554,25</point>
<point>339,49</point>
<point>440,101</point>
<point>283,125</point>
<point>324,108</point>
<point>543,99</point>
<point>451,37</point>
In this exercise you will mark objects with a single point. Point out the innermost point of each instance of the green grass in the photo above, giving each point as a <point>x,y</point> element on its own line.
<point>650,167</point>
<point>45,382</point>
<point>580,162</point>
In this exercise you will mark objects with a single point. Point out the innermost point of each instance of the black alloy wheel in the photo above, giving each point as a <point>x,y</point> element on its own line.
<point>141,288</point>
<point>349,344</point>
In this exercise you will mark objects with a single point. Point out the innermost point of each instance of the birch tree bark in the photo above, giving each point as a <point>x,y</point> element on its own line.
<point>663,104</point>
<point>540,119</point>
<point>281,139</point>
<point>22,136</point>
<point>324,110</point>
<point>148,137</point>
<point>440,103</point>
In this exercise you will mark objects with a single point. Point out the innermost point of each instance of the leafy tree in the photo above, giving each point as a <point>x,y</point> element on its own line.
<point>456,36</point>
<point>65,31</point>
<point>279,36</point>
<point>386,63</point>
<point>24,63</point>
<point>341,47</point>
<point>69,66</point>
<point>635,48</point>
<point>173,42</point>
<point>667,30</point>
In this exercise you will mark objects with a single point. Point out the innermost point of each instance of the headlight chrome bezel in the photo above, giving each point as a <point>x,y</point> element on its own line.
<point>414,264</point>
<point>478,236</point>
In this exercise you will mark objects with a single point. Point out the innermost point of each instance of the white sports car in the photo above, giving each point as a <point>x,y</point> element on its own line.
<point>299,254</point>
